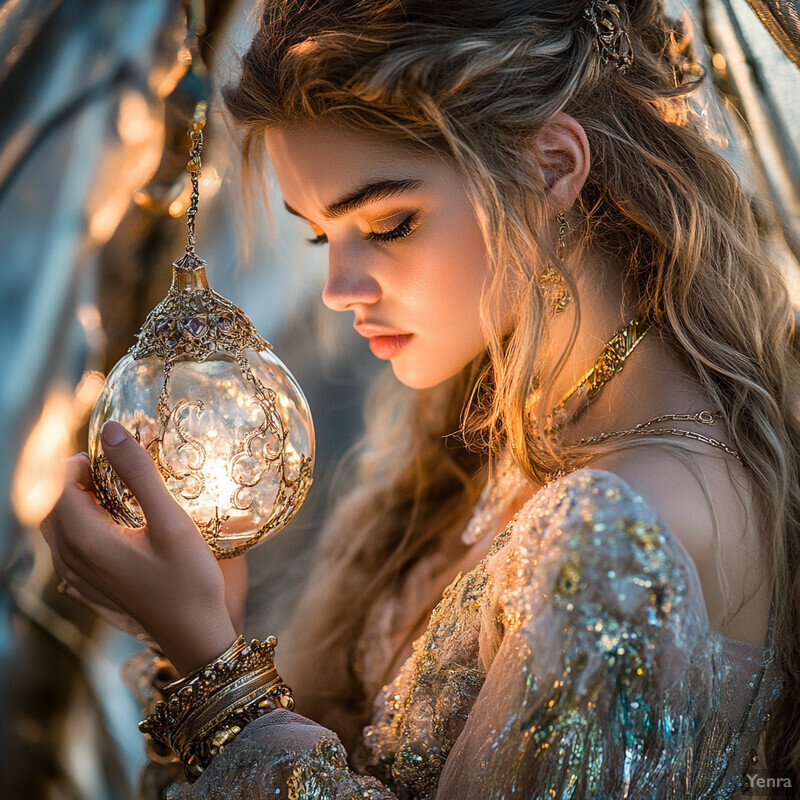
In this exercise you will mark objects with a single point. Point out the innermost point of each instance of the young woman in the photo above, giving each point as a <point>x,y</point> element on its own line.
<point>569,564</point>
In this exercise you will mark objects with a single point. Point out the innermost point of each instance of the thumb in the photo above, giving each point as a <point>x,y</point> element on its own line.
<point>138,472</point>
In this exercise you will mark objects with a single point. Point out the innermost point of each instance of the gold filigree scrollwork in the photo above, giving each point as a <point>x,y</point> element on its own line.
<point>271,428</point>
<point>193,480</point>
<point>193,321</point>
<point>114,495</point>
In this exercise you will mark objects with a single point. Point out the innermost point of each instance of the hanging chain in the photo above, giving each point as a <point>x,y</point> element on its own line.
<point>644,429</point>
<point>195,171</point>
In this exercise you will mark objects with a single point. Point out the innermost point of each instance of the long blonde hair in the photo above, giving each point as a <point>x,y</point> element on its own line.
<point>472,82</point>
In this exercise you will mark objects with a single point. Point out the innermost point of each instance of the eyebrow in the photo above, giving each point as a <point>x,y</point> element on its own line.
<point>363,195</point>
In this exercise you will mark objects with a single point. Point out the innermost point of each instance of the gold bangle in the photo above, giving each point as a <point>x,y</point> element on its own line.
<point>204,711</point>
<point>230,654</point>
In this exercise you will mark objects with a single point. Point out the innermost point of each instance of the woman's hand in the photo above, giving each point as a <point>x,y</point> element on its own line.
<point>163,576</point>
<point>234,570</point>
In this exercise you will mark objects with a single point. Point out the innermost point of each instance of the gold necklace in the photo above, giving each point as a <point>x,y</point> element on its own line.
<point>610,362</point>
<point>509,480</point>
<point>644,429</point>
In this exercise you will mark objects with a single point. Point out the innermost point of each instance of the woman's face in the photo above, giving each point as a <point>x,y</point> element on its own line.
<point>405,252</point>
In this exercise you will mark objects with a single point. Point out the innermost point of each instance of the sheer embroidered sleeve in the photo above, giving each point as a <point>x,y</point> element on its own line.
<point>602,678</point>
<point>282,756</point>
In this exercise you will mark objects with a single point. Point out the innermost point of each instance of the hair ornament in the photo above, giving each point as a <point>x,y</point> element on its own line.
<point>611,34</point>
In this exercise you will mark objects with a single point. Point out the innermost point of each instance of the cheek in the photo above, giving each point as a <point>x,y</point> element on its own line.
<point>441,288</point>
<point>446,289</point>
<point>459,270</point>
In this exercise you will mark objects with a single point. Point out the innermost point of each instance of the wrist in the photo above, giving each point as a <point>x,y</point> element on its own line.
<point>202,712</point>
<point>191,647</point>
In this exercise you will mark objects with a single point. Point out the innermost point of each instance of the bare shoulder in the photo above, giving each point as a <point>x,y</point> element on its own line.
<point>708,503</point>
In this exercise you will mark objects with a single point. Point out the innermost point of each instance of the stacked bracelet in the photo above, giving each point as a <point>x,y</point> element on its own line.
<point>205,710</point>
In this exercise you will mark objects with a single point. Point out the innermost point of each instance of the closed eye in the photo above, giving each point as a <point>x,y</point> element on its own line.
<point>406,227</point>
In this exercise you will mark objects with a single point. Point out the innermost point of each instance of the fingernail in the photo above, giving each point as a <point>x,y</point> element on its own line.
<point>113,433</point>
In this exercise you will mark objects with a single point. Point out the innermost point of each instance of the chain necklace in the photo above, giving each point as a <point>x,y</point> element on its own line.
<point>509,479</point>
<point>644,429</point>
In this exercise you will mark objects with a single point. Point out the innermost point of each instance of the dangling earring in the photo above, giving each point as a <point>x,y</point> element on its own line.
<point>552,282</point>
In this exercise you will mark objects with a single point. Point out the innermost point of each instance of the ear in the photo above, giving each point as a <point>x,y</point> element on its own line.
<point>565,160</point>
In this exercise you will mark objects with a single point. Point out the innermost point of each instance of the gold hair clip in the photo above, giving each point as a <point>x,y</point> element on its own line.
<point>611,34</point>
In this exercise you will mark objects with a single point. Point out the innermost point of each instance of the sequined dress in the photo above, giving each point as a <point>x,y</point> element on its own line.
<point>574,661</point>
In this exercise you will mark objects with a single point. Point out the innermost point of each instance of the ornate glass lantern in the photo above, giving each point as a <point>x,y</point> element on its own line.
<point>223,419</point>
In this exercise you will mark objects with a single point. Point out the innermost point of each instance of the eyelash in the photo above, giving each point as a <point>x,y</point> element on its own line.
<point>405,228</point>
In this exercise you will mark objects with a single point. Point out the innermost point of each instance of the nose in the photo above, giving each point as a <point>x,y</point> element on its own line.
<point>349,282</point>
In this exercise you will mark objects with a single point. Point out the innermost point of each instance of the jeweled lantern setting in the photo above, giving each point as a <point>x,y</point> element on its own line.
<point>223,419</point>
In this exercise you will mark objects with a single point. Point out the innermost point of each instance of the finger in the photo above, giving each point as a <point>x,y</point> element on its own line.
<point>69,562</point>
<point>69,575</point>
<point>78,519</point>
<point>80,590</point>
<point>104,607</point>
<point>76,503</point>
<point>48,533</point>
<point>138,472</point>
<point>234,570</point>
<point>82,535</point>
<point>68,567</point>
<point>84,576</point>
<point>79,472</point>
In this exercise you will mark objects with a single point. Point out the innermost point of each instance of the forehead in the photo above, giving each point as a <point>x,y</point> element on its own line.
<point>315,163</point>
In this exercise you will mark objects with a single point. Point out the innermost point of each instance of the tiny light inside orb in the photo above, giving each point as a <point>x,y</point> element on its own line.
<point>225,422</point>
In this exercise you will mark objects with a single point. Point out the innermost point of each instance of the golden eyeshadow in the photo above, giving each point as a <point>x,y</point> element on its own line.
<point>387,224</point>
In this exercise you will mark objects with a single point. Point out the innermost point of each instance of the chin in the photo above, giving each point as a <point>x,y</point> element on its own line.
<point>423,376</point>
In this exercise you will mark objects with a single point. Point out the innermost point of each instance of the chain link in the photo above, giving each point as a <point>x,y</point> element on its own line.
<point>644,429</point>
<point>195,171</point>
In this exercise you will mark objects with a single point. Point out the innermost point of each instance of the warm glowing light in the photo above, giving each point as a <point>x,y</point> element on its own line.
<point>210,181</point>
<point>169,81</point>
<point>178,206</point>
<point>105,220</point>
<point>135,123</point>
<point>89,317</point>
<point>40,472</point>
<point>123,169</point>
<point>718,60</point>
<point>89,388</point>
<point>238,464</point>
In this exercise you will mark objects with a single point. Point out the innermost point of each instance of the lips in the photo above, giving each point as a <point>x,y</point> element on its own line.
<point>385,342</point>
<point>387,347</point>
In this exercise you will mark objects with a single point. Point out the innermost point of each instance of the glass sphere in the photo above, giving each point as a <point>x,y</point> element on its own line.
<point>232,437</point>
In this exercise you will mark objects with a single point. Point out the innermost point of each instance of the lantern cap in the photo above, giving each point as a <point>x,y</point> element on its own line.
<point>195,322</point>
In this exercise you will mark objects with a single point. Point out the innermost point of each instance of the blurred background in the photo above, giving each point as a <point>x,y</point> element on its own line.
<point>97,98</point>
